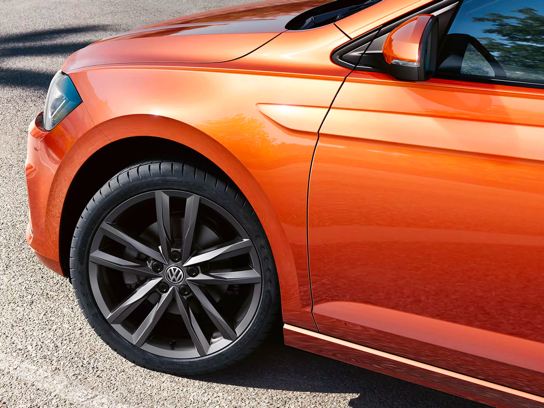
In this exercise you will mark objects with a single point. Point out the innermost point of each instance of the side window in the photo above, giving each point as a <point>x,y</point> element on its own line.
<point>499,39</point>
<point>475,64</point>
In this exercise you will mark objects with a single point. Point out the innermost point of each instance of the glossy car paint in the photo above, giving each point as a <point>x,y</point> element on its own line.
<point>444,240</point>
<point>404,45</point>
<point>424,198</point>
<point>270,164</point>
<point>205,38</point>
<point>391,364</point>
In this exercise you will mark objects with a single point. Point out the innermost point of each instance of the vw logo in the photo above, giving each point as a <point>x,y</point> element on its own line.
<point>175,275</point>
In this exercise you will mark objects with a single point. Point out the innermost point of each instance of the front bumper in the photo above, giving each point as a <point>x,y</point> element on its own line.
<point>53,160</point>
<point>41,164</point>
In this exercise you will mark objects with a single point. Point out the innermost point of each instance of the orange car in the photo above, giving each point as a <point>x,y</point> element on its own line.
<point>374,167</point>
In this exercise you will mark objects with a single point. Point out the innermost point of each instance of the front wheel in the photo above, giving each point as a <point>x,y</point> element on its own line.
<point>172,269</point>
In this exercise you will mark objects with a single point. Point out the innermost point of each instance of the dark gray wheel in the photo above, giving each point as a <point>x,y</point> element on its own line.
<point>172,269</point>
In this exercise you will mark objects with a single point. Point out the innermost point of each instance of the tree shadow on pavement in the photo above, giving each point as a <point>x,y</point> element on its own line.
<point>277,367</point>
<point>49,42</point>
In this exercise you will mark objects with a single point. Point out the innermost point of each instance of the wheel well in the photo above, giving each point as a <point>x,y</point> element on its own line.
<point>107,162</point>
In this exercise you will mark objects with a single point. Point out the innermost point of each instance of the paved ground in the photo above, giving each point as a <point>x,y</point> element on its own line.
<point>48,354</point>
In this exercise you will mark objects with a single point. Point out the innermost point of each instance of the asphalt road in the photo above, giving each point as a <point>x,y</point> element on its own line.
<point>48,354</point>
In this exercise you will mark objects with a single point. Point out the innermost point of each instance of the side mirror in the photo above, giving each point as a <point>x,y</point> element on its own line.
<point>410,50</point>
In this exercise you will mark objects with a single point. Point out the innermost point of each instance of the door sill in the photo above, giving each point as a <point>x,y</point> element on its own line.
<point>405,368</point>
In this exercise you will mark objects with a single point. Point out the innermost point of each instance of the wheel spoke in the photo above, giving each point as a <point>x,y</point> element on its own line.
<point>129,305</point>
<point>113,262</point>
<point>227,251</point>
<point>197,335</point>
<point>250,276</point>
<point>189,225</point>
<point>124,239</point>
<point>224,328</point>
<point>158,229</point>
<point>162,205</point>
<point>144,330</point>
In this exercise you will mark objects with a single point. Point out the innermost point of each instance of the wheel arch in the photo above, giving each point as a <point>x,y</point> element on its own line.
<point>108,161</point>
<point>123,145</point>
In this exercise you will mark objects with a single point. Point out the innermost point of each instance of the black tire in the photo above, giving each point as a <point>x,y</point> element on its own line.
<point>152,176</point>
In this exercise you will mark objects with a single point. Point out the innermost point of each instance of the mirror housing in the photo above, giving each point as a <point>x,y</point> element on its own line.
<point>410,50</point>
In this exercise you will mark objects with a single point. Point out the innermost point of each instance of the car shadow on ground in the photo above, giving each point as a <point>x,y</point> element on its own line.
<point>39,44</point>
<point>277,367</point>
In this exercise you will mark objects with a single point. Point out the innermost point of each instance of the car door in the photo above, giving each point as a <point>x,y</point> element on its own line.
<point>426,205</point>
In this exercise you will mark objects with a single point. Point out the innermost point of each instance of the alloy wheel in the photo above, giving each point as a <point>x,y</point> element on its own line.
<point>175,274</point>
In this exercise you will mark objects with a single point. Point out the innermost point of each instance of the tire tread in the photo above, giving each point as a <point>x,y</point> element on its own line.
<point>188,176</point>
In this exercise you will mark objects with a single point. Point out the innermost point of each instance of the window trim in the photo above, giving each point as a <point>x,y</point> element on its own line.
<point>490,81</point>
<point>366,40</point>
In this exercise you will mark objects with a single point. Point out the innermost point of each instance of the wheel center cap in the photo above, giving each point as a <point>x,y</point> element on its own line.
<point>174,275</point>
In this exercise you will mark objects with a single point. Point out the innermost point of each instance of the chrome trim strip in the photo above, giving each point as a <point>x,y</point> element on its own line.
<point>445,9</point>
<point>416,364</point>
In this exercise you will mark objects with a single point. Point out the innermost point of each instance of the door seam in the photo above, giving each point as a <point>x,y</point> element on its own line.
<point>308,198</point>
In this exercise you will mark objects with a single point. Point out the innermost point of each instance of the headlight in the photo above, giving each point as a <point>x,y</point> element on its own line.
<point>62,99</point>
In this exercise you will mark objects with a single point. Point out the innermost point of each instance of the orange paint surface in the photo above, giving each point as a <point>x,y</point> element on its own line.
<point>404,43</point>
<point>422,217</point>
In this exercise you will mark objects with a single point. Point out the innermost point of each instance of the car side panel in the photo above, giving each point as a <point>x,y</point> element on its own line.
<point>215,112</point>
<point>425,228</point>
<point>429,376</point>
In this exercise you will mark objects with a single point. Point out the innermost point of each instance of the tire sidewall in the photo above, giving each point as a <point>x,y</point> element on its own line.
<point>172,176</point>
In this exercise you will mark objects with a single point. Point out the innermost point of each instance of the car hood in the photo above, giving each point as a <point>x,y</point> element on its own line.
<point>218,36</point>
